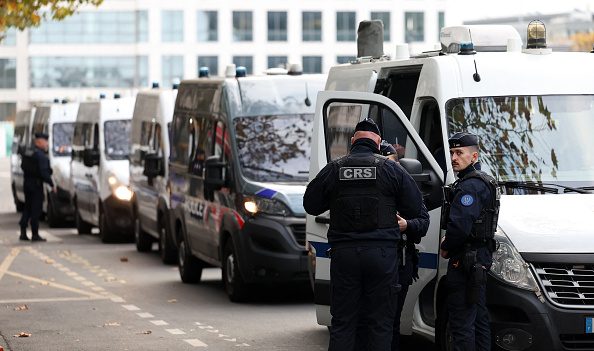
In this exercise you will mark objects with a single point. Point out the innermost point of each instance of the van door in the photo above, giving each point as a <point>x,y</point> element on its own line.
<point>337,113</point>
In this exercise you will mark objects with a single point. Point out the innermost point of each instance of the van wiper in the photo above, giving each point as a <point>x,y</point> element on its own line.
<point>584,189</point>
<point>269,171</point>
<point>544,187</point>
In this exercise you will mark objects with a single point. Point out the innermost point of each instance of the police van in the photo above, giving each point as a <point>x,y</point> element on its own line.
<point>20,141</point>
<point>99,170</point>
<point>533,110</point>
<point>149,171</point>
<point>237,171</point>
<point>57,121</point>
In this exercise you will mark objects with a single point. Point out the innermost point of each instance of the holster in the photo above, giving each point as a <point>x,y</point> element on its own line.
<point>477,279</point>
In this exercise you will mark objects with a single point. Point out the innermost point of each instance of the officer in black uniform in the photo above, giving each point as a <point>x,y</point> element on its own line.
<point>36,169</point>
<point>363,191</point>
<point>470,215</point>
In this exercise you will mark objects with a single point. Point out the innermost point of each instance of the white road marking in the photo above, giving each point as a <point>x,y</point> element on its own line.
<point>88,283</point>
<point>160,322</point>
<point>240,345</point>
<point>145,315</point>
<point>117,299</point>
<point>131,307</point>
<point>98,288</point>
<point>232,340</point>
<point>79,278</point>
<point>55,299</point>
<point>196,343</point>
<point>213,330</point>
<point>175,331</point>
<point>71,274</point>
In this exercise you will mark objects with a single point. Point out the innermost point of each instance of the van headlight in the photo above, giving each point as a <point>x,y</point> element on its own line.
<point>509,266</point>
<point>273,207</point>
<point>120,191</point>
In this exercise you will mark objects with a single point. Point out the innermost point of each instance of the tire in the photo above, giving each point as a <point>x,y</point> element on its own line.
<point>236,288</point>
<point>167,250</point>
<point>82,227</point>
<point>190,268</point>
<point>105,232</point>
<point>443,336</point>
<point>52,218</point>
<point>144,242</point>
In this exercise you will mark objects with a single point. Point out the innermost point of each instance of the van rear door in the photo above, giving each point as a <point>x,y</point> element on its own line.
<point>337,113</point>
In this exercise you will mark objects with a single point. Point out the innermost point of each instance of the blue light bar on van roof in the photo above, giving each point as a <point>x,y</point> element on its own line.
<point>155,85</point>
<point>241,71</point>
<point>203,72</point>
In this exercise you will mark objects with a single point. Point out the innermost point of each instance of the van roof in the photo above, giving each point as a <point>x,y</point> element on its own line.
<point>105,110</point>
<point>155,103</point>
<point>56,112</point>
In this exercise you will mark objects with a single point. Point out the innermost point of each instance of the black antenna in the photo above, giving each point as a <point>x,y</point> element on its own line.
<point>307,100</point>
<point>476,76</point>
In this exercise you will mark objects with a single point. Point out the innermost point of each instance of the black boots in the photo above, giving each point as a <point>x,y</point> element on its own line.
<point>23,234</point>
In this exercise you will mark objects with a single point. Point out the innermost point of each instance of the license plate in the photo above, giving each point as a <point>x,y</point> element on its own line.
<point>589,325</point>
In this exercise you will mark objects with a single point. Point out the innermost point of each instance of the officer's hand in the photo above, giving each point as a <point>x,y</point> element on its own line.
<point>402,224</point>
<point>443,253</point>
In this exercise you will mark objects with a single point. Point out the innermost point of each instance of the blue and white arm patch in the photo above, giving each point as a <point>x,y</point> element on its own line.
<point>467,200</point>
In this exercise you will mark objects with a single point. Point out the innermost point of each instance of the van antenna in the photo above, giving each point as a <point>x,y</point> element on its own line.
<point>476,76</point>
<point>307,100</point>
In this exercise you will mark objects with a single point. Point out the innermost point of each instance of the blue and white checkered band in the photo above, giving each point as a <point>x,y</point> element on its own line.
<point>467,200</point>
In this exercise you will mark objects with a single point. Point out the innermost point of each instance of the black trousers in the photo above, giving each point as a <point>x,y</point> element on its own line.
<point>364,284</point>
<point>33,206</point>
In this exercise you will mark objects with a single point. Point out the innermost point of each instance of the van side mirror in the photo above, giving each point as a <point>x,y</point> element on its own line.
<point>91,157</point>
<point>428,182</point>
<point>153,166</point>
<point>215,176</point>
<point>415,169</point>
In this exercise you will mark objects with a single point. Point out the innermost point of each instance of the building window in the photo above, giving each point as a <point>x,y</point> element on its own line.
<point>312,64</point>
<point>7,111</point>
<point>172,26</point>
<point>94,28</point>
<point>172,70</point>
<point>312,26</point>
<point>208,26</point>
<point>344,59</point>
<point>75,72</point>
<point>277,61</point>
<point>277,26</point>
<point>245,61</point>
<point>212,62</point>
<point>242,26</point>
<point>7,73</point>
<point>385,18</point>
<point>345,26</point>
<point>9,38</point>
<point>440,22</point>
<point>414,26</point>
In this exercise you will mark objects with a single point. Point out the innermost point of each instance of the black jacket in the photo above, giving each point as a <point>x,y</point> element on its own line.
<point>45,171</point>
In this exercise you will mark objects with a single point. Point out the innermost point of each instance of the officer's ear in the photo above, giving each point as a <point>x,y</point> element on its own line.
<point>352,140</point>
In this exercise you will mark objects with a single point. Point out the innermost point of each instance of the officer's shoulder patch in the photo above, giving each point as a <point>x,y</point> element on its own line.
<point>466,200</point>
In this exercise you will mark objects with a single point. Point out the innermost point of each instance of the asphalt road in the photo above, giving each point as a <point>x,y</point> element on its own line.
<point>75,293</point>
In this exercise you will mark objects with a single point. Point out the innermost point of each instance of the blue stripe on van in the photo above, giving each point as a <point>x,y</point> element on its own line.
<point>266,193</point>
<point>426,260</point>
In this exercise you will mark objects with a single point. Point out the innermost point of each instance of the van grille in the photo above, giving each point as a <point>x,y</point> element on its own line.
<point>567,285</point>
<point>298,231</point>
<point>577,341</point>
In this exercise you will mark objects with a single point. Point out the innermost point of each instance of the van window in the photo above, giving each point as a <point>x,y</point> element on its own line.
<point>156,140</point>
<point>179,149</point>
<point>202,145</point>
<point>530,138</point>
<point>62,134</point>
<point>117,139</point>
<point>431,133</point>
<point>274,148</point>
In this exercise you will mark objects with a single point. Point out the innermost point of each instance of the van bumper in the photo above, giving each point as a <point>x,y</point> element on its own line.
<point>271,249</point>
<point>520,321</point>
<point>119,214</point>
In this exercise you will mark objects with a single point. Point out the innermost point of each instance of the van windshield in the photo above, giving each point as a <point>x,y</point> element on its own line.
<point>117,139</point>
<point>531,138</point>
<point>274,148</point>
<point>62,139</point>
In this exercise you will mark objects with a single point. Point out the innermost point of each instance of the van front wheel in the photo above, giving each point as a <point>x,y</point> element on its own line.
<point>190,268</point>
<point>235,286</point>
<point>144,242</point>
<point>82,227</point>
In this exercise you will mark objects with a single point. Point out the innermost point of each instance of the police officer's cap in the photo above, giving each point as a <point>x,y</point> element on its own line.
<point>462,139</point>
<point>386,149</point>
<point>41,135</point>
<point>367,125</point>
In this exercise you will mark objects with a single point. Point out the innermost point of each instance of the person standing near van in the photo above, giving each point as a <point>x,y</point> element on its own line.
<point>469,217</point>
<point>363,192</point>
<point>37,170</point>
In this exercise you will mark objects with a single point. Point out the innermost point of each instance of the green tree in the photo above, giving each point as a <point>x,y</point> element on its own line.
<point>23,14</point>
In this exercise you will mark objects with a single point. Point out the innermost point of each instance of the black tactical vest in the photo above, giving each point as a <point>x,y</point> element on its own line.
<point>29,164</point>
<point>485,226</point>
<point>358,204</point>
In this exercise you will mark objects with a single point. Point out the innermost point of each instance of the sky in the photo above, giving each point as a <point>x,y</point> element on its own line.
<point>479,9</point>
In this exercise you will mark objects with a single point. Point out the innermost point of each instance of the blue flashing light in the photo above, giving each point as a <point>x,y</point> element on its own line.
<point>203,72</point>
<point>241,71</point>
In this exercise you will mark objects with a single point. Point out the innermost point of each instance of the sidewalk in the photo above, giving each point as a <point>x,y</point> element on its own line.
<point>6,202</point>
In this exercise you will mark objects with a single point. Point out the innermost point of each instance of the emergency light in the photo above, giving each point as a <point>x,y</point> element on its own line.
<point>536,35</point>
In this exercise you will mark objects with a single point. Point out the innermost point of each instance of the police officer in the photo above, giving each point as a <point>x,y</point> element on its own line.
<point>36,169</point>
<point>470,215</point>
<point>363,192</point>
<point>388,150</point>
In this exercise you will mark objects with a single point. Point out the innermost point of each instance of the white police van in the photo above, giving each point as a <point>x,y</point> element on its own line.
<point>57,121</point>
<point>149,170</point>
<point>533,110</point>
<point>20,141</point>
<point>99,169</point>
